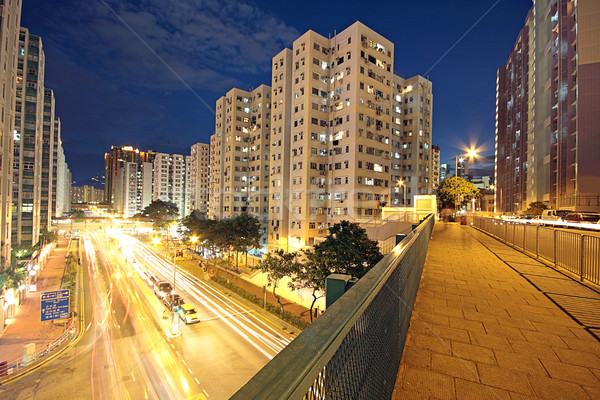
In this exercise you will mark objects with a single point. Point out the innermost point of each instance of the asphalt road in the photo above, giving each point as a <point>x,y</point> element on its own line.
<point>126,352</point>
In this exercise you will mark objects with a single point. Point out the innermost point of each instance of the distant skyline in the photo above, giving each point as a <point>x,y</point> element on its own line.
<point>147,74</point>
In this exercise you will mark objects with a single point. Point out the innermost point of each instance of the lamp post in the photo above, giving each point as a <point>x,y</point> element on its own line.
<point>471,153</point>
<point>403,186</point>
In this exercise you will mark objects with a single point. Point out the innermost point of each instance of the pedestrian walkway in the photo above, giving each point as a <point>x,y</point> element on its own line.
<point>492,323</point>
<point>26,326</point>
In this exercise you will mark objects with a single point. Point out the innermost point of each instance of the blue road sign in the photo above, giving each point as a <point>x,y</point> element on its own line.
<point>55,305</point>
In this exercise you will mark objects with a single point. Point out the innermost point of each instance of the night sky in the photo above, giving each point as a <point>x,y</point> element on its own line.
<point>147,73</point>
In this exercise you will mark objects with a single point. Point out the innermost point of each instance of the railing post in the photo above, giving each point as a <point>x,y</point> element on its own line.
<point>537,241</point>
<point>555,251</point>
<point>581,258</point>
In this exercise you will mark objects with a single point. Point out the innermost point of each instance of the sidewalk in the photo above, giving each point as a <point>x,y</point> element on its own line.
<point>492,323</point>
<point>26,326</point>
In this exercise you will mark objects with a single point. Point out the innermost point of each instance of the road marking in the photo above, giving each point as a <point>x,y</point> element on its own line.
<point>179,355</point>
<point>205,393</point>
<point>197,381</point>
<point>190,371</point>
<point>184,363</point>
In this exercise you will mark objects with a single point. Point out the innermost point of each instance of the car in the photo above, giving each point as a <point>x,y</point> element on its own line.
<point>582,217</point>
<point>162,288</point>
<point>187,313</point>
<point>173,301</point>
<point>555,215</point>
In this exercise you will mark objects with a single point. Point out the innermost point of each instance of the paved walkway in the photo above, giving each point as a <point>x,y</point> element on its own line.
<point>26,326</point>
<point>492,323</point>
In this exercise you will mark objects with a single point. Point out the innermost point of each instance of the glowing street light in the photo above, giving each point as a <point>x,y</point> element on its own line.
<point>194,239</point>
<point>155,240</point>
<point>403,186</point>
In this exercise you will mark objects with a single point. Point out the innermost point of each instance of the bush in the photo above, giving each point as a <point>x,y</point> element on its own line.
<point>273,309</point>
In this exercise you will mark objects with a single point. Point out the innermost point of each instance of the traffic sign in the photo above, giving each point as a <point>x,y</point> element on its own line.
<point>55,305</point>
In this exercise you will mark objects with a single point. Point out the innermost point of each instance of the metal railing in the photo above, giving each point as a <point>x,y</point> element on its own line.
<point>576,252</point>
<point>353,350</point>
<point>23,362</point>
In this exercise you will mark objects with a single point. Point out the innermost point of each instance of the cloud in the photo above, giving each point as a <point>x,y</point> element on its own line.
<point>206,43</point>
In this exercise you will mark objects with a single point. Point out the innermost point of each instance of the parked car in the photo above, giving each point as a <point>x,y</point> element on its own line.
<point>582,217</point>
<point>162,288</point>
<point>173,301</point>
<point>188,314</point>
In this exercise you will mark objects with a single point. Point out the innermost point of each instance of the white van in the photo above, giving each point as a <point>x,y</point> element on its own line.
<point>554,215</point>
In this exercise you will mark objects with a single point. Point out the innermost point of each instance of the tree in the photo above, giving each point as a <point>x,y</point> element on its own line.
<point>278,265</point>
<point>310,275</point>
<point>247,234</point>
<point>346,250</point>
<point>456,190</point>
<point>47,236</point>
<point>161,212</point>
<point>536,208</point>
<point>78,214</point>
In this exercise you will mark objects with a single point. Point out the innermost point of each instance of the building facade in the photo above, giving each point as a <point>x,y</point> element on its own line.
<point>435,166</point>
<point>342,126</point>
<point>28,143</point>
<point>87,194</point>
<point>171,180</point>
<point>46,207</point>
<point>133,188</point>
<point>239,156</point>
<point>10,13</point>
<point>199,178</point>
<point>558,146</point>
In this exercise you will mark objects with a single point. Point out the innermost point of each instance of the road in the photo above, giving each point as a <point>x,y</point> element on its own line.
<point>126,352</point>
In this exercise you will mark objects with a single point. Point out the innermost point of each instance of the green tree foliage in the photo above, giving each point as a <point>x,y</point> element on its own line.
<point>346,250</point>
<point>247,234</point>
<point>78,214</point>
<point>311,275</point>
<point>11,277</point>
<point>536,208</point>
<point>276,266</point>
<point>456,190</point>
<point>161,212</point>
<point>47,236</point>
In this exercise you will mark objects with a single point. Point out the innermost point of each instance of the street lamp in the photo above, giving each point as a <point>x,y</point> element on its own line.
<point>403,186</point>
<point>471,153</point>
<point>155,240</point>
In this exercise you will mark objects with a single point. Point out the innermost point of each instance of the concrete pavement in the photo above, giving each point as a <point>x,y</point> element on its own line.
<point>492,323</point>
<point>26,326</point>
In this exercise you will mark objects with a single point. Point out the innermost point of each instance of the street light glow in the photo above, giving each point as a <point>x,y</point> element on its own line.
<point>194,239</point>
<point>155,240</point>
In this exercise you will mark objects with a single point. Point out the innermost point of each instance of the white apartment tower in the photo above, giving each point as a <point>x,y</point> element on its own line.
<point>239,156</point>
<point>199,177</point>
<point>412,153</point>
<point>171,180</point>
<point>332,126</point>
<point>133,188</point>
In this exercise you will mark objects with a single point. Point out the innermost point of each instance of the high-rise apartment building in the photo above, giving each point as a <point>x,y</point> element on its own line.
<point>46,207</point>
<point>133,188</point>
<point>547,144</point>
<point>171,180</point>
<point>56,144</point>
<point>28,135</point>
<point>412,154</point>
<point>91,195</point>
<point>239,156</point>
<point>199,177</point>
<point>10,15</point>
<point>341,124</point>
<point>113,161</point>
<point>435,166</point>
<point>63,183</point>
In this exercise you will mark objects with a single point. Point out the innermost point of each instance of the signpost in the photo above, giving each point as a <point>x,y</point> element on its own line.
<point>55,305</point>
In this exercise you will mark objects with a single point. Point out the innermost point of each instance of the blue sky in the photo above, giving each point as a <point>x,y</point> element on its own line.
<point>147,73</point>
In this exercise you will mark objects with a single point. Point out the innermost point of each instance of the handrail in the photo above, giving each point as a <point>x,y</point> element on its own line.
<point>304,369</point>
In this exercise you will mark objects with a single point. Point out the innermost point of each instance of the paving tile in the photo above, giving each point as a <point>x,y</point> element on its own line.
<point>473,353</point>
<point>468,390</point>
<point>552,389</point>
<point>520,362</point>
<point>537,350</point>
<point>503,378</point>
<point>477,316</point>
<point>417,357</point>
<point>455,367</point>
<point>548,339</point>
<point>494,328</point>
<point>468,325</point>
<point>571,373</point>
<point>590,345</point>
<point>431,343</point>
<point>581,358</point>
<point>429,383</point>
<point>554,329</point>
<point>490,341</point>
